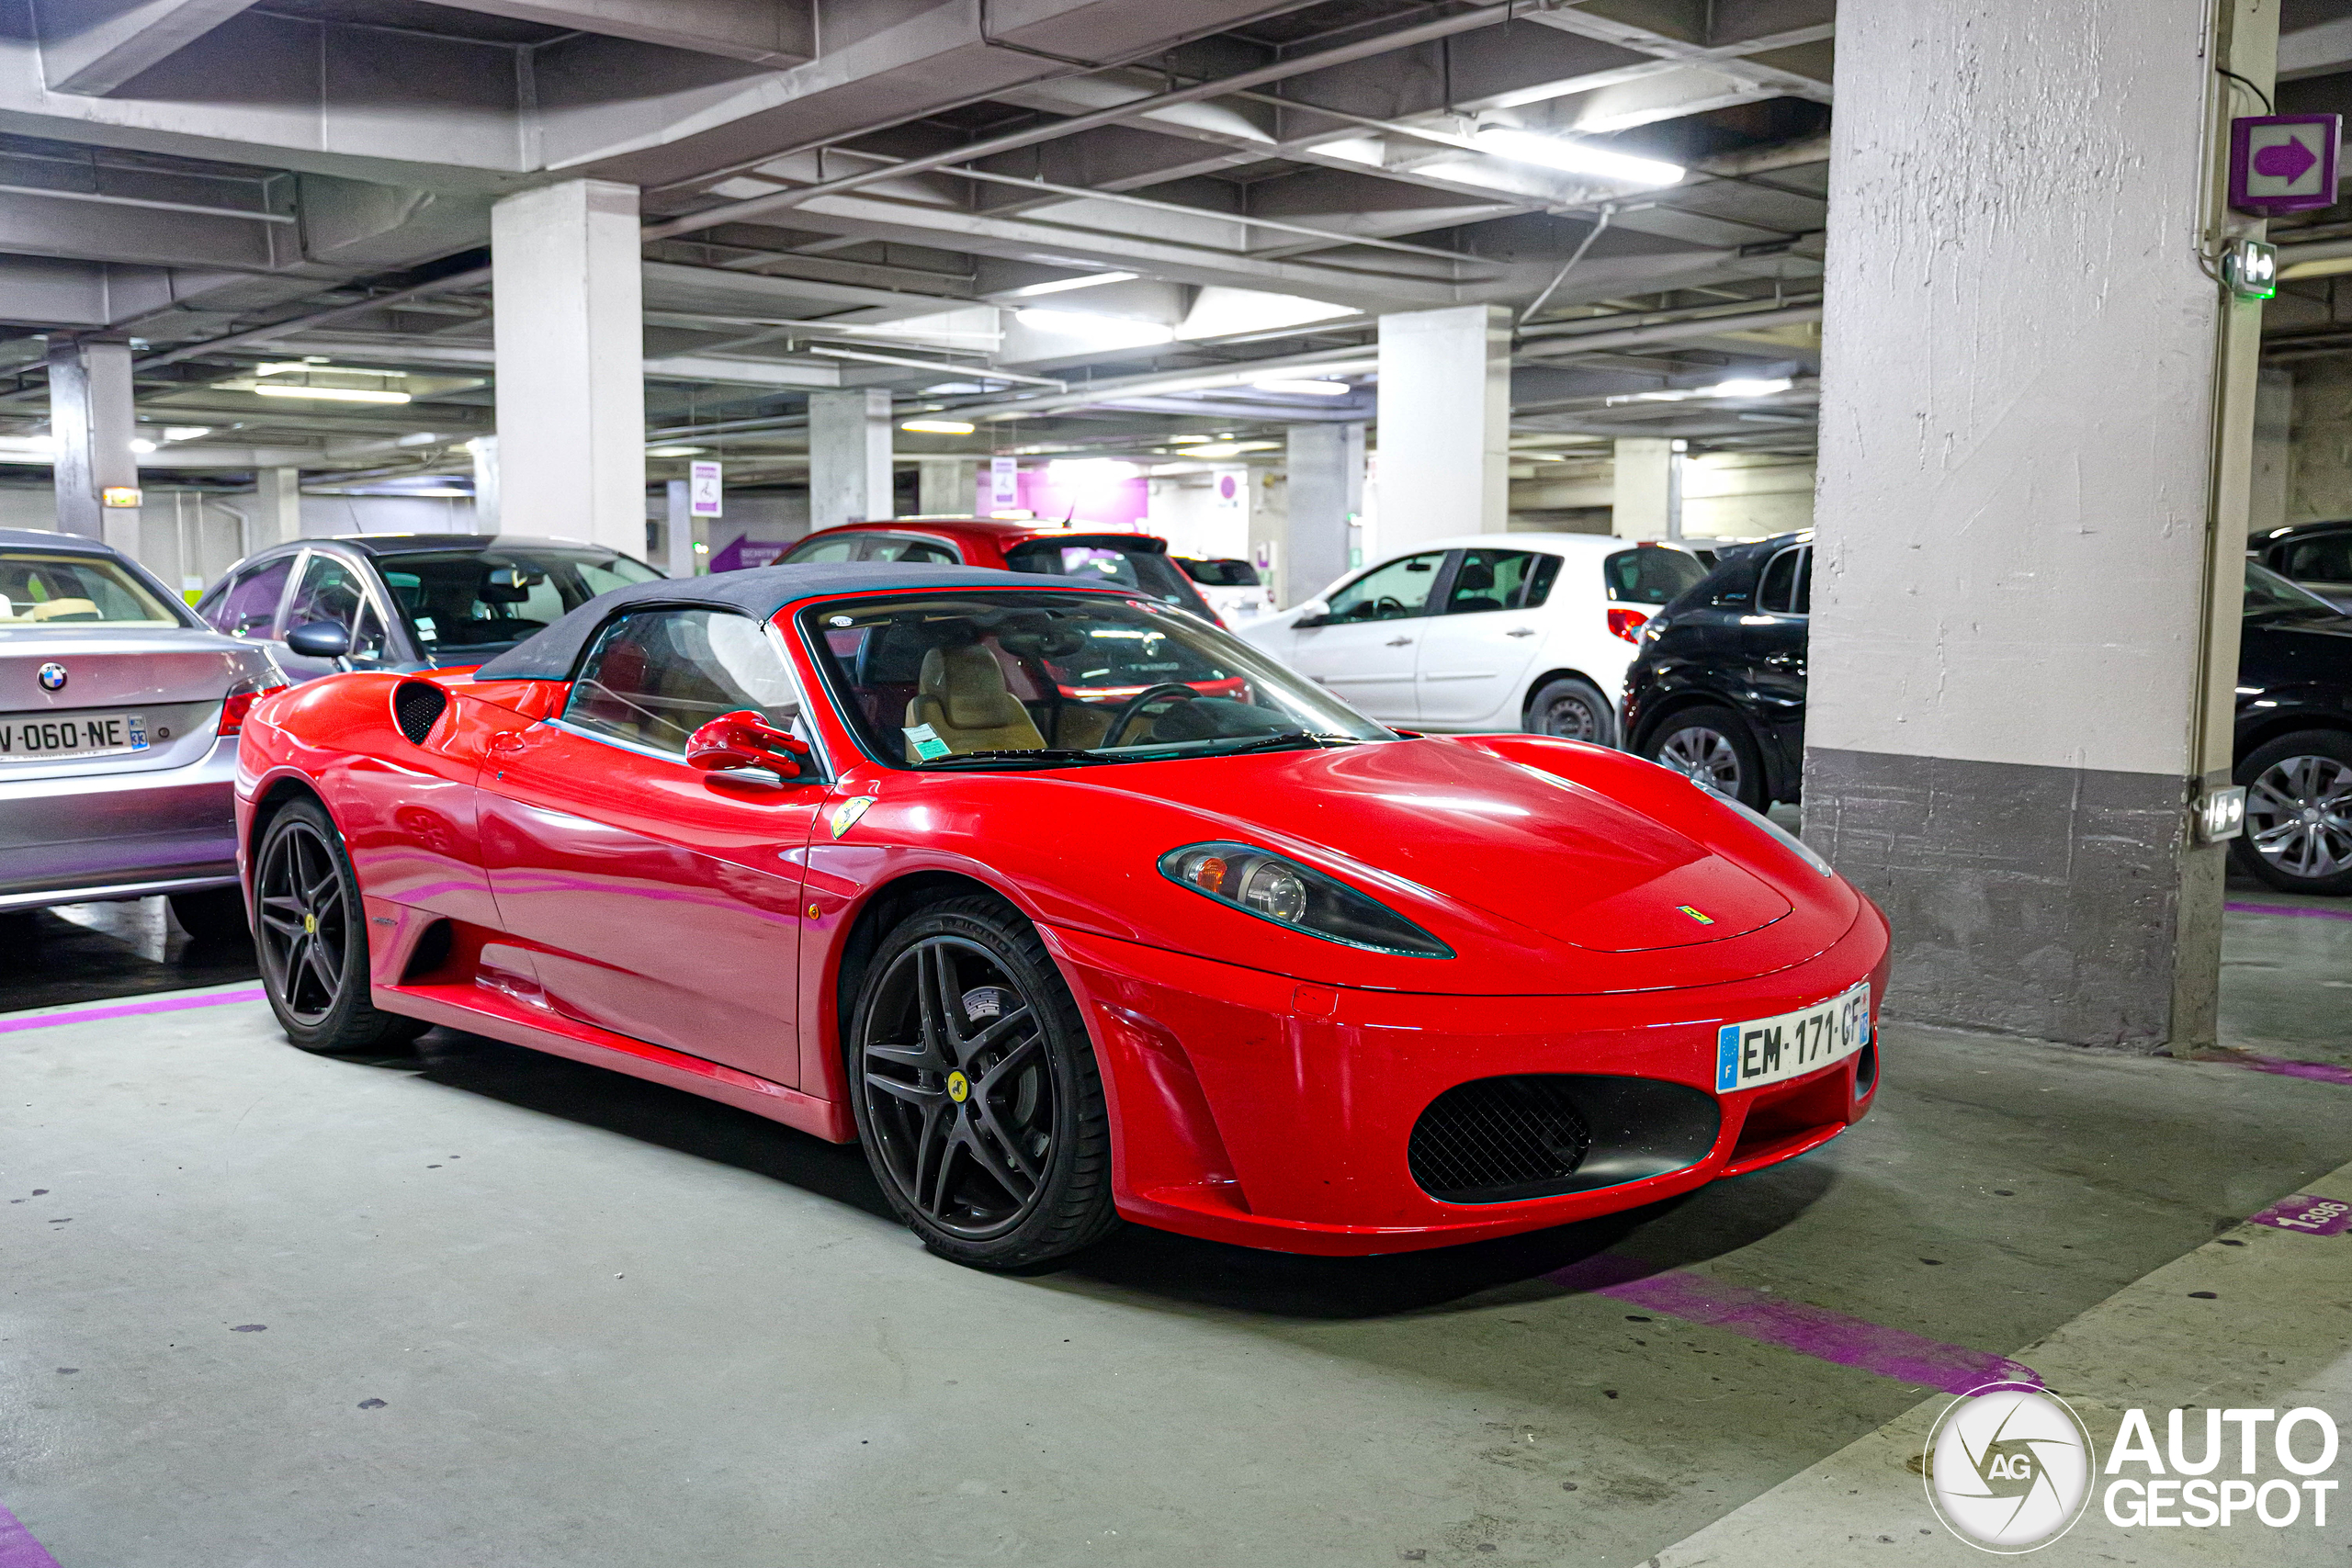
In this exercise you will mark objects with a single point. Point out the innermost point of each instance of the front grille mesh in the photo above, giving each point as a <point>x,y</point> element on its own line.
<point>416,706</point>
<point>1496,1139</point>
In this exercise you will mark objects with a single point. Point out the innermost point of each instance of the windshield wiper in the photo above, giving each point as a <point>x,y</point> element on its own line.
<point>1287,738</point>
<point>1044,754</point>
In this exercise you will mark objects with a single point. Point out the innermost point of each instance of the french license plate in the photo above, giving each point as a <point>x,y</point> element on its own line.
<point>1771,1049</point>
<point>67,736</point>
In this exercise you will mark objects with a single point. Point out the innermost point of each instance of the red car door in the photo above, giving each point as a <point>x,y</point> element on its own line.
<point>657,900</point>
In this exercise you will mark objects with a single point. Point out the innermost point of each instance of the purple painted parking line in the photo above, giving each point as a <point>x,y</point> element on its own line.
<point>2295,909</point>
<point>2317,1072</point>
<point>18,1546</point>
<point>128,1010</point>
<point>1793,1325</point>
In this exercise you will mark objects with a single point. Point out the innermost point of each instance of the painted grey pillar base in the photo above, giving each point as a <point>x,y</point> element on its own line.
<point>2059,903</point>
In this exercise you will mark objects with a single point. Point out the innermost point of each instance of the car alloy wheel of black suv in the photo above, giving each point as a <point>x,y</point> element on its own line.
<point>1718,692</point>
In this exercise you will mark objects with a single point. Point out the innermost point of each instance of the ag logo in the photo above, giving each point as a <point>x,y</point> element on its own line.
<point>2009,1467</point>
<point>52,677</point>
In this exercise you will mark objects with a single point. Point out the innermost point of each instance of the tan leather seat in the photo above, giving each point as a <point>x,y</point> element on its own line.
<point>962,696</point>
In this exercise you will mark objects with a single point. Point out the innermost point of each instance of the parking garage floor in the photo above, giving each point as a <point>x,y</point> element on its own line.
<point>478,1306</point>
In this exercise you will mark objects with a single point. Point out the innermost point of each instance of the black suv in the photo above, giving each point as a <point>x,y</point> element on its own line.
<point>2318,556</point>
<point>1718,692</point>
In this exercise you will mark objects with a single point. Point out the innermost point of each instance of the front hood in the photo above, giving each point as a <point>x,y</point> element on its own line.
<point>1546,852</point>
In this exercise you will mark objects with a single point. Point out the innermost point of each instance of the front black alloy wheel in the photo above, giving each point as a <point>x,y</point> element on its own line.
<point>313,937</point>
<point>2298,834</point>
<point>978,1097</point>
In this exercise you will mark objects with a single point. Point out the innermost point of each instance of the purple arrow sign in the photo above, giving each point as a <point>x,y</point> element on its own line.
<point>2287,160</point>
<point>2283,163</point>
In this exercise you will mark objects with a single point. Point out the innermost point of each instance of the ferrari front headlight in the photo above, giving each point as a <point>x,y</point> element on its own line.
<point>1276,888</point>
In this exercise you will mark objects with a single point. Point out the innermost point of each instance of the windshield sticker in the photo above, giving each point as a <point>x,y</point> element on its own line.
<point>426,629</point>
<point>926,743</point>
<point>846,814</point>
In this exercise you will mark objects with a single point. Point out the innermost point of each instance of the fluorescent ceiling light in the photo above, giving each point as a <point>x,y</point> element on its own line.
<point>186,431</point>
<point>1733,389</point>
<point>1227,448</point>
<point>143,446</point>
<point>1577,157</point>
<point>675,451</point>
<point>1305,389</point>
<point>1063,285</point>
<point>938,426</point>
<point>332,394</point>
<point>1099,332</point>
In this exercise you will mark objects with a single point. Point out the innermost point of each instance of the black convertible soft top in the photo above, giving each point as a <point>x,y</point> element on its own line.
<point>553,654</point>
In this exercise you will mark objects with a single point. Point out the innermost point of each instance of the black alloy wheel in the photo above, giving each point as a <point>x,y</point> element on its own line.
<point>2298,834</point>
<point>1572,709</point>
<point>978,1097</point>
<point>312,938</point>
<point>1712,749</point>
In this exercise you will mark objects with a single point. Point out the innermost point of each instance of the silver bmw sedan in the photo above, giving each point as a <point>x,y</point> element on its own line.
<point>119,718</point>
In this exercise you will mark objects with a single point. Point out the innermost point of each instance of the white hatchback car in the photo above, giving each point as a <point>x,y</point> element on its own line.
<point>1486,632</point>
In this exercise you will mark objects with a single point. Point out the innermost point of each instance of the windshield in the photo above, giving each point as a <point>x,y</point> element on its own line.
<point>1649,574</point>
<point>1004,679</point>
<point>463,605</point>
<point>75,590</point>
<point>2268,594</point>
<point>1111,562</point>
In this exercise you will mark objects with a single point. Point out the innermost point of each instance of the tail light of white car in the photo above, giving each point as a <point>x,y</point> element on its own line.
<point>1627,624</point>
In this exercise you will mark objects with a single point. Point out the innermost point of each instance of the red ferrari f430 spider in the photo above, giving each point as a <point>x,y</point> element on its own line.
<point>1068,908</point>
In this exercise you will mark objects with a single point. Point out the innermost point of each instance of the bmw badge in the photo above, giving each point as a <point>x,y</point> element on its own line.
<point>52,677</point>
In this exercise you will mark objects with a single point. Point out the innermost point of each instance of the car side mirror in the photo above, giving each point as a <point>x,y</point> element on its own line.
<point>746,739</point>
<point>319,639</point>
<point>1314,612</point>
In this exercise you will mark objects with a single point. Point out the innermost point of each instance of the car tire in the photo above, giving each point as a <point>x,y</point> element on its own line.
<point>2298,834</point>
<point>1713,748</point>
<point>310,936</point>
<point>979,1100</point>
<point>1571,709</point>
<point>214,915</point>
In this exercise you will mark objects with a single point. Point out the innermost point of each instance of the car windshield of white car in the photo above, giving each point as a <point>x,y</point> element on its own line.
<point>75,590</point>
<point>1015,679</point>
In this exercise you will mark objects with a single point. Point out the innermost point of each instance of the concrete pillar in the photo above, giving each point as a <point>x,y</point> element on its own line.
<point>567,267</point>
<point>1648,496</point>
<point>849,456</point>
<point>681,531</point>
<point>2036,416</point>
<point>2274,418</point>
<point>947,487</point>
<point>277,507</point>
<point>484,452</point>
<point>1326,496</point>
<point>1444,424</point>
<point>92,420</point>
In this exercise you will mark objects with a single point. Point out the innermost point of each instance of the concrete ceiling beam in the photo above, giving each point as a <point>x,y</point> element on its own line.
<point>92,47</point>
<point>775,33</point>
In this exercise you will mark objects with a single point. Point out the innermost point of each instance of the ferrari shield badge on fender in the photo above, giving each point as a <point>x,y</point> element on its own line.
<point>846,814</point>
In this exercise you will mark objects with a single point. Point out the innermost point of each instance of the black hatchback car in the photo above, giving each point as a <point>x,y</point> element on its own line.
<point>1718,692</point>
<point>407,601</point>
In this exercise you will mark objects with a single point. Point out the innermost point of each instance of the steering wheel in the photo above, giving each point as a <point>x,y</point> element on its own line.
<point>1384,607</point>
<point>1134,705</point>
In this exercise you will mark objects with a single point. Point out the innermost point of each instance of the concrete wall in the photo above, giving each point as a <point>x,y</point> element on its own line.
<point>1726,495</point>
<point>2319,441</point>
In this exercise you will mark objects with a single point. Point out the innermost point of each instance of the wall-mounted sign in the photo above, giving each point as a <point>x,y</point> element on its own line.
<point>1004,484</point>
<point>2283,163</point>
<point>703,489</point>
<point>120,495</point>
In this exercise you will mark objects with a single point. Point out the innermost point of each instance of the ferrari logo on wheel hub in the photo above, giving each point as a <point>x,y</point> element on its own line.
<point>310,925</point>
<point>959,1088</point>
